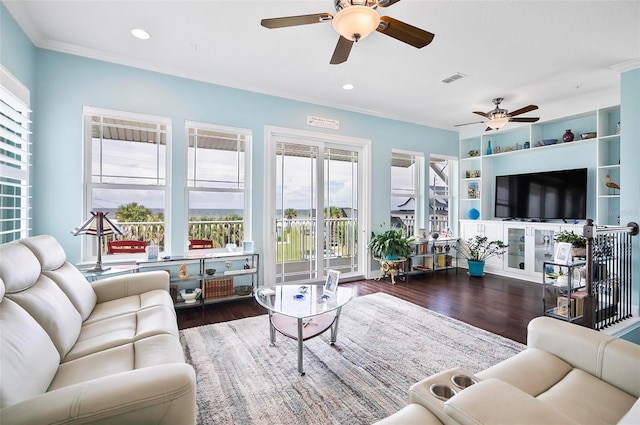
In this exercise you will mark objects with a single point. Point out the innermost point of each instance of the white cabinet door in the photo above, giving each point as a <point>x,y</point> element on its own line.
<point>492,230</point>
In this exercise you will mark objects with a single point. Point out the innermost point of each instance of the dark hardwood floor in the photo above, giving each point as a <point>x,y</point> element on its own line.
<point>500,305</point>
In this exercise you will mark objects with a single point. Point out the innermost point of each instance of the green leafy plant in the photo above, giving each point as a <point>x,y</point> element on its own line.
<point>481,248</point>
<point>389,243</point>
<point>569,236</point>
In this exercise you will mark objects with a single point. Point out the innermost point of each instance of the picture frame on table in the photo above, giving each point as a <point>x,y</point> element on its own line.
<point>331,284</point>
<point>562,253</point>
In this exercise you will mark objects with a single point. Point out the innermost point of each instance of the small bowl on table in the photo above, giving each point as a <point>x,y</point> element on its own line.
<point>210,272</point>
<point>548,142</point>
<point>190,295</point>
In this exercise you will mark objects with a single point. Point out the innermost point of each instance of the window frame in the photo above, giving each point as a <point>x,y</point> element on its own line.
<point>417,191</point>
<point>15,164</point>
<point>247,180</point>
<point>89,248</point>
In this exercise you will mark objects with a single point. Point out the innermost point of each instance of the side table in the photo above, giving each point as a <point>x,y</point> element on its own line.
<point>113,271</point>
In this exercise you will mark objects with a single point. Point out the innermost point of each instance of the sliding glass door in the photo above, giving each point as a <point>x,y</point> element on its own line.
<point>317,201</point>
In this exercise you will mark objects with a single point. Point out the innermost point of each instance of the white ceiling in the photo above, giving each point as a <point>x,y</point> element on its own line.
<point>529,52</point>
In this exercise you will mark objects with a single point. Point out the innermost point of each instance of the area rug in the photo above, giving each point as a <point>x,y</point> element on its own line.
<point>384,346</point>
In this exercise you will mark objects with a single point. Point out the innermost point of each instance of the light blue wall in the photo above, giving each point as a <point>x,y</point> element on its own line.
<point>17,53</point>
<point>629,164</point>
<point>67,82</point>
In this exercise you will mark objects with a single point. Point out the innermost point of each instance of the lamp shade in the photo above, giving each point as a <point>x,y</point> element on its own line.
<point>356,22</point>
<point>97,225</point>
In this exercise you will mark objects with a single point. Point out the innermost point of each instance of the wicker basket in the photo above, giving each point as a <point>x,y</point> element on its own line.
<point>218,287</point>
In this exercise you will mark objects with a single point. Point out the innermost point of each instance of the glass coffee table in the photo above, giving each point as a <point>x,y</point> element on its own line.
<point>302,312</point>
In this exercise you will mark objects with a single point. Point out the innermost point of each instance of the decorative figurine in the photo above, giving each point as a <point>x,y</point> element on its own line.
<point>610,184</point>
<point>183,272</point>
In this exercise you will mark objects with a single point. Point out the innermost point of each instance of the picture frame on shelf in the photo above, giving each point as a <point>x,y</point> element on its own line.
<point>247,247</point>
<point>331,284</point>
<point>563,253</point>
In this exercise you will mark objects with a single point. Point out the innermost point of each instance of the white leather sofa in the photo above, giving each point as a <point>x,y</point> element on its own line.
<point>76,352</point>
<point>567,375</point>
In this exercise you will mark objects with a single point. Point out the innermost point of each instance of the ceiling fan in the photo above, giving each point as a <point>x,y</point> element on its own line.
<point>498,117</point>
<point>355,20</point>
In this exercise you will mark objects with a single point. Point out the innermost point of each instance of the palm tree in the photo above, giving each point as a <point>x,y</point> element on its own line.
<point>290,213</point>
<point>132,212</point>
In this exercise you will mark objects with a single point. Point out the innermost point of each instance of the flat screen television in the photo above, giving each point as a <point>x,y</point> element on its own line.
<point>543,195</point>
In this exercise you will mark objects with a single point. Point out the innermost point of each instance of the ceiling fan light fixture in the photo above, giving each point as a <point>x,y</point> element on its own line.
<point>497,122</point>
<point>356,22</point>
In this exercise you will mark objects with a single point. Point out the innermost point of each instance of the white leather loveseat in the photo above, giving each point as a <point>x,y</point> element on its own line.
<point>567,375</point>
<point>76,352</point>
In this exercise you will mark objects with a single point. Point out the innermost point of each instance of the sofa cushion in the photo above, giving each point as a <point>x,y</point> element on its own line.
<point>53,264</point>
<point>152,351</point>
<point>130,304</point>
<point>51,308</point>
<point>114,331</point>
<point>47,250</point>
<point>28,358</point>
<point>532,371</point>
<point>587,399</point>
<point>496,402</point>
<point>18,279</point>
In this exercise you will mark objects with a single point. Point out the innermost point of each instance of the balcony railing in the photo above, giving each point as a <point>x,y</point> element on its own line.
<point>295,242</point>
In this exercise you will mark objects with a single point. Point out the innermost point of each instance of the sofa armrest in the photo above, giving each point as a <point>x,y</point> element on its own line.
<point>130,284</point>
<point>611,359</point>
<point>163,394</point>
<point>496,402</point>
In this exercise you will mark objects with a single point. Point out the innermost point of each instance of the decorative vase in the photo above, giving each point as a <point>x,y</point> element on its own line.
<point>489,148</point>
<point>476,268</point>
<point>568,136</point>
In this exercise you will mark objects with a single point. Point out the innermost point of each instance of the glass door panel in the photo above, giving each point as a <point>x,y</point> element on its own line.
<point>516,248</point>
<point>341,209</point>
<point>543,248</point>
<point>316,210</point>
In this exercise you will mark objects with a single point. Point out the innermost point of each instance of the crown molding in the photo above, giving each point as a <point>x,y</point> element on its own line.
<point>627,65</point>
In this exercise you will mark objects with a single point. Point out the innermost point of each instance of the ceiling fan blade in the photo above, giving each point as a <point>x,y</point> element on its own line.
<point>532,119</point>
<point>523,110</point>
<point>341,53</point>
<point>468,123</point>
<point>482,114</point>
<point>292,21</point>
<point>404,32</point>
<point>387,3</point>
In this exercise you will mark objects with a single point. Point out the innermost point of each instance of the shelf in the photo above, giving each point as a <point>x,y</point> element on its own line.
<point>222,283</point>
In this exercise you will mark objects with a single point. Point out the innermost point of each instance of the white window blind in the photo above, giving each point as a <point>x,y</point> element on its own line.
<point>14,159</point>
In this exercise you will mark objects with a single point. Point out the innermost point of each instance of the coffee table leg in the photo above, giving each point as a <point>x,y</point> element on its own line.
<point>300,347</point>
<point>272,329</point>
<point>334,327</point>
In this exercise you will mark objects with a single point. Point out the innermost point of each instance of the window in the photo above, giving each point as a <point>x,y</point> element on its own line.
<point>126,173</point>
<point>217,173</point>
<point>14,159</point>
<point>439,194</point>
<point>407,194</point>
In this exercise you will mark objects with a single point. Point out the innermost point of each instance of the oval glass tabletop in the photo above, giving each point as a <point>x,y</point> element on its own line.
<point>302,300</point>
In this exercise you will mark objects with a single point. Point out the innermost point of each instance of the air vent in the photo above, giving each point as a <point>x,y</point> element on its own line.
<point>453,78</point>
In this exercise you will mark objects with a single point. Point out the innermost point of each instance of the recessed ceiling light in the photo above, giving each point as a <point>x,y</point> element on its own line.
<point>140,33</point>
<point>348,86</point>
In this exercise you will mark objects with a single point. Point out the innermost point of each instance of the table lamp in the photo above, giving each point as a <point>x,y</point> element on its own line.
<point>98,225</point>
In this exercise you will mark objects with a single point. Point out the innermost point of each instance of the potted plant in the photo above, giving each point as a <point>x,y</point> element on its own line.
<point>390,245</point>
<point>578,242</point>
<point>477,250</point>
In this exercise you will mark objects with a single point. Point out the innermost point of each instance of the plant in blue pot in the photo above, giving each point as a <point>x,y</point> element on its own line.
<point>477,250</point>
<point>390,245</point>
